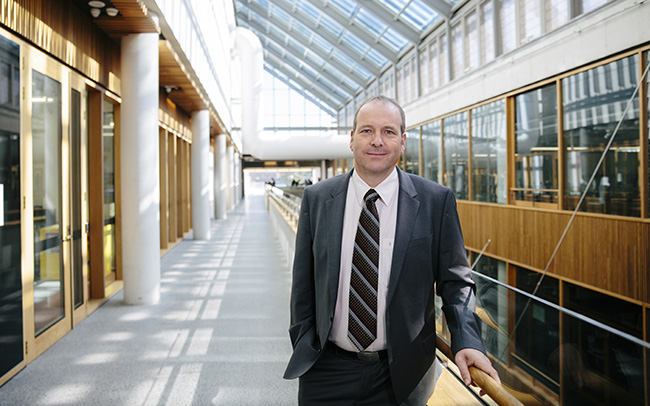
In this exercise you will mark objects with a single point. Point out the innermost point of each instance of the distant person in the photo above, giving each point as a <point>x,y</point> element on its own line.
<point>370,246</point>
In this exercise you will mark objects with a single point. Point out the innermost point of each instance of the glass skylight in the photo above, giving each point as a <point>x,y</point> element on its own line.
<point>369,22</point>
<point>314,41</point>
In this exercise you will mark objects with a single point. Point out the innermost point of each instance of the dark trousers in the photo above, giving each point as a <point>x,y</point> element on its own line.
<point>341,380</point>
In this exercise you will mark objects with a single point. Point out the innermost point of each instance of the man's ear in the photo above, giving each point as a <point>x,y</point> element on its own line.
<point>351,139</point>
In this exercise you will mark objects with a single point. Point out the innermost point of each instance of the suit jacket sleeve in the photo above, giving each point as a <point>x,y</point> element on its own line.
<point>455,285</point>
<point>303,302</point>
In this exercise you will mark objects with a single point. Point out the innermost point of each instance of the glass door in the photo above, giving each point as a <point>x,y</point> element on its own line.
<point>11,293</point>
<point>78,198</point>
<point>49,192</point>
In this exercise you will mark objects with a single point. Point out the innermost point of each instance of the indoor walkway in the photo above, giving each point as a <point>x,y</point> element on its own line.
<point>218,336</point>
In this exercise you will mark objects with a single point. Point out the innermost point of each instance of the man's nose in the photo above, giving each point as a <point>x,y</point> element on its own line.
<point>377,140</point>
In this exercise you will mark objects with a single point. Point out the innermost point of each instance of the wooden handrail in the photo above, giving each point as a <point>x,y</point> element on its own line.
<point>481,379</point>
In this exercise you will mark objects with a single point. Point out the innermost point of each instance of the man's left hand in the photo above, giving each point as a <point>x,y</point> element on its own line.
<point>470,357</point>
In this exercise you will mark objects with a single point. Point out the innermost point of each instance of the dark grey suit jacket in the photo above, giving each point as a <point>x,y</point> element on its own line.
<point>428,249</point>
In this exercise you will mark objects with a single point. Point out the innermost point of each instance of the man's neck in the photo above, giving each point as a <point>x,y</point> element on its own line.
<point>373,181</point>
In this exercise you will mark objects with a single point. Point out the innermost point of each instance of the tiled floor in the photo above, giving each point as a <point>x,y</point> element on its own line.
<point>218,335</point>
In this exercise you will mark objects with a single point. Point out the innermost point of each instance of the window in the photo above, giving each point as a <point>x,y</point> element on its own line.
<point>489,153</point>
<point>593,102</point>
<point>601,353</point>
<point>492,304</point>
<point>425,70</point>
<point>557,13</point>
<point>46,152</point>
<point>538,334</point>
<point>508,26</point>
<point>536,150</point>
<point>487,32</point>
<point>444,70</point>
<point>431,151</point>
<point>435,65</point>
<point>456,143</point>
<point>412,151</point>
<point>530,20</point>
<point>458,55</point>
<point>473,53</point>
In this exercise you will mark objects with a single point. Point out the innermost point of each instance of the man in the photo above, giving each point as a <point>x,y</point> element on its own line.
<point>370,246</point>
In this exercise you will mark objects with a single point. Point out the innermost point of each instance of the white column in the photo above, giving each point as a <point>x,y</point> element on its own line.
<point>220,176</point>
<point>231,177</point>
<point>239,187</point>
<point>211,206</point>
<point>200,178</point>
<point>140,169</point>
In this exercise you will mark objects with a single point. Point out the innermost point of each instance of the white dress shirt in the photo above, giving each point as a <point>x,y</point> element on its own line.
<point>387,209</point>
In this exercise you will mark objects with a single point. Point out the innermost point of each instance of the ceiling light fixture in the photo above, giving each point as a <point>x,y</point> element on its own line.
<point>112,11</point>
<point>96,4</point>
<point>95,12</point>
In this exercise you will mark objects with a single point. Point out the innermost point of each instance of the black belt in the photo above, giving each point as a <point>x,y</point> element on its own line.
<point>365,356</point>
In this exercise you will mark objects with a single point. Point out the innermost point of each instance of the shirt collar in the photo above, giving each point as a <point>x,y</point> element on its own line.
<point>387,189</point>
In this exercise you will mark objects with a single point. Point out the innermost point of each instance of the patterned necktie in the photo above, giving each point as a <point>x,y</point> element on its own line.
<point>362,318</point>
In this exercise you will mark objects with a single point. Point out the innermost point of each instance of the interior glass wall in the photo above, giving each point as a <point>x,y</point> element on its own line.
<point>536,145</point>
<point>77,199</point>
<point>456,149</point>
<point>489,164</point>
<point>537,336</point>
<point>647,92</point>
<point>432,151</point>
<point>601,368</point>
<point>412,151</point>
<point>48,241</point>
<point>11,295</point>
<point>108,133</point>
<point>492,304</point>
<point>593,103</point>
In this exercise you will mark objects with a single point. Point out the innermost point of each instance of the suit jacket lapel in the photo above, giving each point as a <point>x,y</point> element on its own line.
<point>335,209</point>
<point>407,210</point>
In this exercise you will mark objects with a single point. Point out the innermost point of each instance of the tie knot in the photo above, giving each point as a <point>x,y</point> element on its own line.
<point>371,196</point>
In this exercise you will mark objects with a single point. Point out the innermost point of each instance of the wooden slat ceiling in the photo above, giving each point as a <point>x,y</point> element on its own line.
<point>133,18</point>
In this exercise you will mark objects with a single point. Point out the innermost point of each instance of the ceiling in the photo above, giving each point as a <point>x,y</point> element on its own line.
<point>173,77</point>
<point>333,49</point>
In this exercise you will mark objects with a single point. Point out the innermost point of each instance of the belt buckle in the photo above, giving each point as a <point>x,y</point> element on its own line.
<point>368,356</point>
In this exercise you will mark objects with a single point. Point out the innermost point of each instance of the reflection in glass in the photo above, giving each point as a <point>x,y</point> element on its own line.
<point>456,146</point>
<point>46,142</point>
<point>593,355</point>
<point>11,295</point>
<point>538,333</point>
<point>489,164</point>
<point>108,132</point>
<point>431,151</point>
<point>77,199</point>
<point>412,151</point>
<point>536,157</point>
<point>492,304</point>
<point>558,355</point>
<point>593,102</point>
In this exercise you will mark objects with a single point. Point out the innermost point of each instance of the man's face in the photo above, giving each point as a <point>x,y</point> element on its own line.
<point>376,141</point>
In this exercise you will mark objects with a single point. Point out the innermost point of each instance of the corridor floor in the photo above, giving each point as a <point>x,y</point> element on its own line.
<point>217,337</point>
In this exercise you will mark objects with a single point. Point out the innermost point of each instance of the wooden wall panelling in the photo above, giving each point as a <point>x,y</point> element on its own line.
<point>67,33</point>
<point>173,190</point>
<point>96,193</point>
<point>186,187</point>
<point>164,183</point>
<point>179,187</point>
<point>608,253</point>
